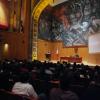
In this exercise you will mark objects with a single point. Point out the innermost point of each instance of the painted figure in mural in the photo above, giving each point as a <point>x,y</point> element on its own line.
<point>44,27</point>
<point>71,30</point>
<point>58,19</point>
<point>70,35</point>
<point>95,25</point>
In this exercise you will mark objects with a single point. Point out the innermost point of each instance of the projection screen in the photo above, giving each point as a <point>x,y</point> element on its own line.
<point>94,43</point>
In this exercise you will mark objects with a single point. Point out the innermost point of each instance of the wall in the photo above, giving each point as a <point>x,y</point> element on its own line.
<point>4,14</point>
<point>44,46</point>
<point>17,45</point>
<point>18,42</point>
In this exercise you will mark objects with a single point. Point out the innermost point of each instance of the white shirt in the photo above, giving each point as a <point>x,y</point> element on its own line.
<point>24,89</point>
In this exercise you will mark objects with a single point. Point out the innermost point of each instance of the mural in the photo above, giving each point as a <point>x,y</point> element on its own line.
<point>71,22</point>
<point>45,25</point>
<point>75,20</point>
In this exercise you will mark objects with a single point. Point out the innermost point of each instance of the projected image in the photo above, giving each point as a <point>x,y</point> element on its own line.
<point>94,44</point>
<point>73,22</point>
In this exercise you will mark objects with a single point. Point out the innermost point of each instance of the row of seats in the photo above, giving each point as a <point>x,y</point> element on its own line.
<point>5,95</point>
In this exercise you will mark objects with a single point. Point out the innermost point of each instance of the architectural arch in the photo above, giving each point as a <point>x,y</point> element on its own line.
<point>36,14</point>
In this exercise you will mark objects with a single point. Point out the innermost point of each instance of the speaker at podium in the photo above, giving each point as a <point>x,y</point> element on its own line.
<point>48,56</point>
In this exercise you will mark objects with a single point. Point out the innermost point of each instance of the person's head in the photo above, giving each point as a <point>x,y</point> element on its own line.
<point>66,80</point>
<point>24,77</point>
<point>78,15</point>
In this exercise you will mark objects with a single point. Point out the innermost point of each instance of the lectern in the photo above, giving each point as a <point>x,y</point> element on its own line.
<point>48,56</point>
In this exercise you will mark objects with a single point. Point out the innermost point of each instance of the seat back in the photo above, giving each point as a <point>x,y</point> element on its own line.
<point>5,95</point>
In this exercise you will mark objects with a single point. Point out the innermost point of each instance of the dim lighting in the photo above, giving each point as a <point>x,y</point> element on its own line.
<point>3,19</point>
<point>6,46</point>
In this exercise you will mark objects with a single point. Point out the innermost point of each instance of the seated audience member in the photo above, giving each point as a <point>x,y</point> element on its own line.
<point>23,87</point>
<point>93,90</point>
<point>64,92</point>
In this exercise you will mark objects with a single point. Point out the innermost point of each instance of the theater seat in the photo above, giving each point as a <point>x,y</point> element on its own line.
<point>78,89</point>
<point>5,95</point>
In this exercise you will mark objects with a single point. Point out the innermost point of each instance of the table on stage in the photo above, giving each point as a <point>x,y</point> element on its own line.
<point>71,59</point>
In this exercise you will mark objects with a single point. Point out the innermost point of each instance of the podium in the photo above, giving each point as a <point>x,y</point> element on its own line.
<point>48,56</point>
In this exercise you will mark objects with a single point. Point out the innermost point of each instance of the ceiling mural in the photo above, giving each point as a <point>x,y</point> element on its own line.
<point>71,22</point>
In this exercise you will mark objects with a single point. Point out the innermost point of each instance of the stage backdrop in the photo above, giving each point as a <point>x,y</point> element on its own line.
<point>71,22</point>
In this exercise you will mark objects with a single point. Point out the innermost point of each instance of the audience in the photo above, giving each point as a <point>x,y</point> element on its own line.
<point>64,92</point>
<point>92,92</point>
<point>63,81</point>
